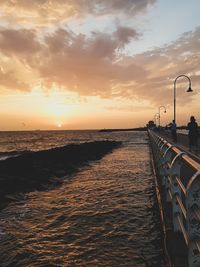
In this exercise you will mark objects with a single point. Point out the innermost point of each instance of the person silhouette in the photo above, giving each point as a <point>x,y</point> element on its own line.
<point>173,131</point>
<point>193,133</point>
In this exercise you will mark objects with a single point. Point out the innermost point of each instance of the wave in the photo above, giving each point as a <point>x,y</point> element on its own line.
<point>14,153</point>
<point>34,170</point>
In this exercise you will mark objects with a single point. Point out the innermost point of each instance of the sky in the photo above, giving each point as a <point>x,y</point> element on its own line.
<point>93,64</point>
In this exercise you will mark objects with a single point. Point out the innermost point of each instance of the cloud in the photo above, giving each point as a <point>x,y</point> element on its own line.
<point>165,64</point>
<point>127,6</point>
<point>9,80</point>
<point>130,108</point>
<point>74,62</point>
<point>18,41</point>
<point>87,65</point>
<point>51,11</point>
<point>92,66</point>
<point>97,65</point>
<point>125,34</point>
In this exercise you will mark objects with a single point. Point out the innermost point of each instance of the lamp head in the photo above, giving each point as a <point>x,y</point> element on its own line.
<point>189,89</point>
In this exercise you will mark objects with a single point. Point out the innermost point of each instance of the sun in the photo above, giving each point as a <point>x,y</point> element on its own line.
<point>59,125</point>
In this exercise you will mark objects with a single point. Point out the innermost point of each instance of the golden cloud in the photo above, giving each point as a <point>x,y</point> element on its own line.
<point>94,65</point>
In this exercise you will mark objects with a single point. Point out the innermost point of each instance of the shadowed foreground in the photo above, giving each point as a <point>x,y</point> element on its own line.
<point>35,170</point>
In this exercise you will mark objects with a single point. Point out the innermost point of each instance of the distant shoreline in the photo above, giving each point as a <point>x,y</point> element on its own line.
<point>124,130</point>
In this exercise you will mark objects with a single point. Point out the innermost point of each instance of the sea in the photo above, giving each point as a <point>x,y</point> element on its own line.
<point>104,214</point>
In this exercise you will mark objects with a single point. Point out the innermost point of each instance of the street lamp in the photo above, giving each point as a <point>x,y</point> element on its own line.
<point>188,90</point>
<point>159,112</point>
<point>155,117</point>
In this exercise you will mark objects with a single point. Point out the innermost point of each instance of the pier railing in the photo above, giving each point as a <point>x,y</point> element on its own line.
<point>179,178</point>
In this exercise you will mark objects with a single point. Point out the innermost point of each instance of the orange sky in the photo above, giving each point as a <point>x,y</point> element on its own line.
<point>107,64</point>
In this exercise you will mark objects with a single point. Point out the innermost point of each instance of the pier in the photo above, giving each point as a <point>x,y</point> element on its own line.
<point>177,174</point>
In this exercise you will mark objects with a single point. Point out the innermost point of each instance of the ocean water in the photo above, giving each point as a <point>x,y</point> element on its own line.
<point>103,215</point>
<point>16,143</point>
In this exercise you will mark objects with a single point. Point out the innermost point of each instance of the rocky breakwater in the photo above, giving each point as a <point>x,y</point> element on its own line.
<point>44,169</point>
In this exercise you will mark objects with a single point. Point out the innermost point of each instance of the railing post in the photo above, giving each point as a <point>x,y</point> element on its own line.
<point>175,189</point>
<point>167,163</point>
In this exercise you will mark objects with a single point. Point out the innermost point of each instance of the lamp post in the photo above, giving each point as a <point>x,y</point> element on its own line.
<point>188,90</point>
<point>159,112</point>
<point>156,116</point>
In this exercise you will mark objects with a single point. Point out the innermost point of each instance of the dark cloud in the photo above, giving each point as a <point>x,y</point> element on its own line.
<point>18,41</point>
<point>125,34</point>
<point>127,6</point>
